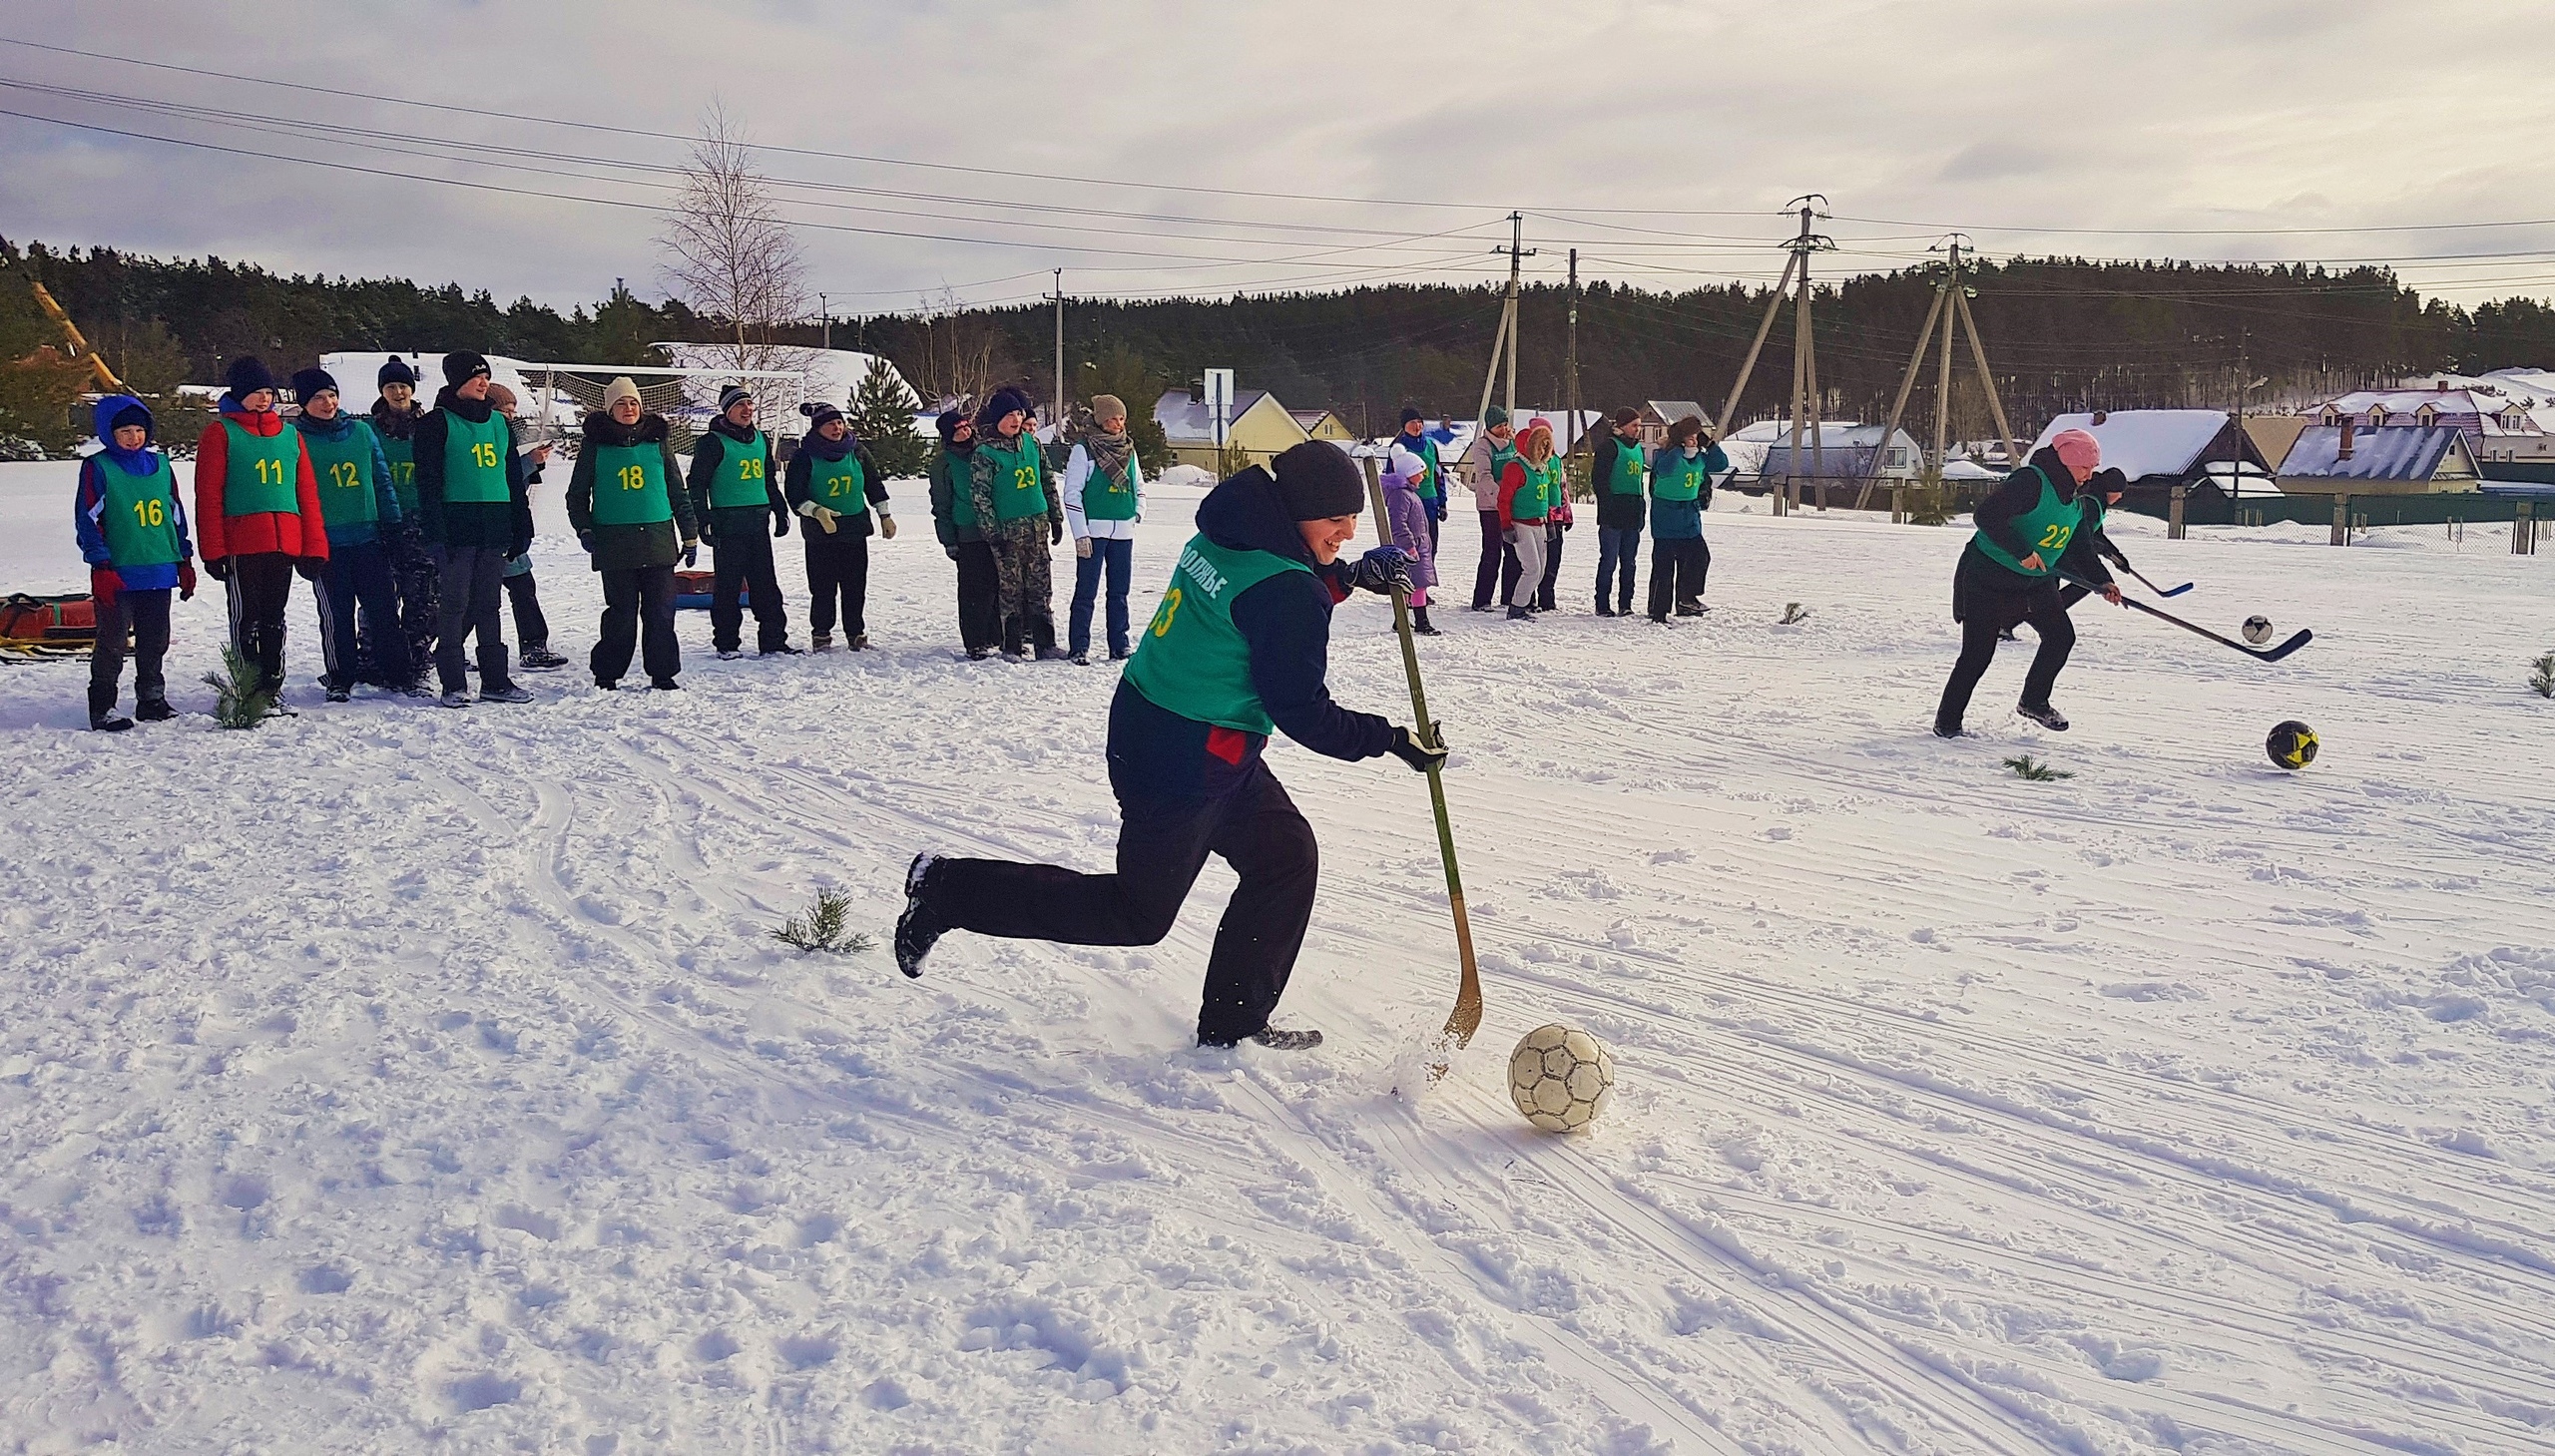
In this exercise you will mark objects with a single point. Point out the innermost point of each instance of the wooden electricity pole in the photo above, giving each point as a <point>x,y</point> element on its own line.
<point>1950,309</point>
<point>1060,354</point>
<point>1506,338</point>
<point>1796,282</point>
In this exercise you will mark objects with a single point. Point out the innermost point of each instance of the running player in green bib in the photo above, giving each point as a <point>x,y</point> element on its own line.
<point>2009,574</point>
<point>1237,649</point>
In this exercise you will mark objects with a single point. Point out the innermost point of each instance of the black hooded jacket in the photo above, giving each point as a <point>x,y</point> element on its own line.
<point>1156,754</point>
<point>503,526</point>
<point>622,548</point>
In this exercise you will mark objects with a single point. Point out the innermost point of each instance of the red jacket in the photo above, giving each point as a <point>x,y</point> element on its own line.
<point>301,536</point>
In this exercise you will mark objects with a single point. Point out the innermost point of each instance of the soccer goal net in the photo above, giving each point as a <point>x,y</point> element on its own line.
<point>563,394</point>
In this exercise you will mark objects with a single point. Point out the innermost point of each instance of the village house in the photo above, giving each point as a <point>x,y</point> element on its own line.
<point>1260,428</point>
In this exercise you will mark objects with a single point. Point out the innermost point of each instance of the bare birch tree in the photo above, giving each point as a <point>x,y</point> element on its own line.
<point>730,254</point>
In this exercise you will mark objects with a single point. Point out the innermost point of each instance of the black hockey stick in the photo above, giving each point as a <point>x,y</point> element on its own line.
<point>2150,586</point>
<point>2259,654</point>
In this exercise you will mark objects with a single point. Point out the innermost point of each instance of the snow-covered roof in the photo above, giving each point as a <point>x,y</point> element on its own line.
<point>2144,442</point>
<point>831,374</point>
<point>356,369</point>
<point>1671,410</point>
<point>1185,420</point>
<point>2415,452</point>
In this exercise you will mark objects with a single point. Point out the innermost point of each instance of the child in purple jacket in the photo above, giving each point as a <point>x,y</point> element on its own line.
<point>1409,516</point>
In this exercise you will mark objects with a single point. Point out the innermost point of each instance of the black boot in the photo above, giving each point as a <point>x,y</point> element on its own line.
<point>916,932</point>
<point>1520,614</point>
<point>154,710</point>
<point>1419,623</point>
<point>2044,715</point>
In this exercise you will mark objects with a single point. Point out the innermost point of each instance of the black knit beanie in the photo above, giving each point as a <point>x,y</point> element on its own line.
<point>729,396</point>
<point>247,375</point>
<point>817,413</point>
<point>1316,480</point>
<point>306,383</point>
<point>395,373</point>
<point>461,368</point>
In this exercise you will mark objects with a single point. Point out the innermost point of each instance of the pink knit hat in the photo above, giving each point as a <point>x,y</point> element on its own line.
<point>2080,452</point>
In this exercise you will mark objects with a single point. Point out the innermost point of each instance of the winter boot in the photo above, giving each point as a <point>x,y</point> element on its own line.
<point>1944,730</point>
<point>782,649</point>
<point>540,660</point>
<point>505,693</point>
<point>156,709</point>
<point>1053,654</point>
<point>1286,1040</point>
<point>915,932</point>
<point>979,654</point>
<point>860,642</point>
<point>664,684</point>
<point>2046,716</point>
<point>1115,656</point>
<point>112,723</point>
<point>1419,623</point>
<point>1520,614</point>
<point>731,654</point>
<point>339,692</point>
<point>456,698</point>
<point>607,685</point>
<point>1691,608</point>
<point>823,642</point>
<point>1080,659</point>
<point>1602,610</point>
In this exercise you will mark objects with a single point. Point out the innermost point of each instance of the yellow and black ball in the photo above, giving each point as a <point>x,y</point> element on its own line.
<point>2292,744</point>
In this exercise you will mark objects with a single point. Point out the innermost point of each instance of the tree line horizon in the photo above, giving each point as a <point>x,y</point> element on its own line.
<point>2062,334</point>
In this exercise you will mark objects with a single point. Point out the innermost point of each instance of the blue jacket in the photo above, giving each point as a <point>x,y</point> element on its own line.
<point>91,502</point>
<point>1684,520</point>
<point>385,501</point>
<point>1156,755</point>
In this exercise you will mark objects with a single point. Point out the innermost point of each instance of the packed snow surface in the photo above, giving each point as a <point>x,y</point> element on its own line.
<point>395,1079</point>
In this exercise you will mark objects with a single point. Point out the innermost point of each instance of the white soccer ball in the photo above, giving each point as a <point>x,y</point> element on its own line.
<point>1561,1078</point>
<point>2257,628</point>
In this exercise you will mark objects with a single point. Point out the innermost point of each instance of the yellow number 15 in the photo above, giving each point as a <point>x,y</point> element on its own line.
<point>483,455</point>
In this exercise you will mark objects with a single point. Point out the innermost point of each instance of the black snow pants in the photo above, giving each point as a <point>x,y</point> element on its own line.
<point>1987,598</point>
<point>979,597</point>
<point>143,615</point>
<point>260,589</point>
<point>638,611</point>
<point>1162,846</point>
<point>1677,571</point>
<point>837,575</point>
<point>741,561</point>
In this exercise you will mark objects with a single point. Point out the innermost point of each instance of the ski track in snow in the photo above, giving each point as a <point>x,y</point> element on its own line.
<point>392,1076</point>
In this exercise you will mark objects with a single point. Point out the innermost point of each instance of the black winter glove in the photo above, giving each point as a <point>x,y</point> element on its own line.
<point>1382,570</point>
<point>953,552</point>
<point>310,569</point>
<point>781,523</point>
<point>1420,757</point>
<point>707,536</point>
<point>1055,533</point>
<point>217,567</point>
<point>1441,508</point>
<point>586,542</point>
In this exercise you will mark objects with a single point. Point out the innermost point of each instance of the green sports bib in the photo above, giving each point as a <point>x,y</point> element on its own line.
<point>343,468</point>
<point>1106,497</point>
<point>1676,478</point>
<point>140,519</point>
<point>2048,526</point>
<point>262,473</point>
<point>629,486</point>
<point>1192,659</point>
<point>741,476</point>
<point>1018,491</point>
<point>1534,499</point>
<point>402,455</point>
<point>838,485</point>
<point>1425,487</point>
<point>474,460</point>
<point>1625,476</point>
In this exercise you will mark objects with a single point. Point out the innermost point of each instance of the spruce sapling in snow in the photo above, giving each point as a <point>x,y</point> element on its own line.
<point>823,927</point>
<point>2542,681</point>
<point>2027,766</point>
<point>243,699</point>
<point>1793,614</point>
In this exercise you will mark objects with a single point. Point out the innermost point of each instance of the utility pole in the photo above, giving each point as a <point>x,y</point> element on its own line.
<point>1805,356</point>
<point>1060,354</point>
<point>1506,337</point>
<point>1951,310</point>
<point>1571,368</point>
<point>826,311</point>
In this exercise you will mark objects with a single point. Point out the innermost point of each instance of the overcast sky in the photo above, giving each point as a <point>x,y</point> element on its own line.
<point>1661,139</point>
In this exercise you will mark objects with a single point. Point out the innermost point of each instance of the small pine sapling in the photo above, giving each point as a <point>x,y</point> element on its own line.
<point>824,928</point>
<point>240,698</point>
<point>2541,680</point>
<point>2027,766</point>
<point>1793,613</point>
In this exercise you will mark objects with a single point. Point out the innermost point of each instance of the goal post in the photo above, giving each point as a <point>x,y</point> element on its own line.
<point>563,394</point>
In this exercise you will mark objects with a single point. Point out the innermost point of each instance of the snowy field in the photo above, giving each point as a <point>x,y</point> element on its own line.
<point>394,1079</point>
